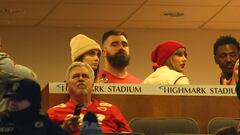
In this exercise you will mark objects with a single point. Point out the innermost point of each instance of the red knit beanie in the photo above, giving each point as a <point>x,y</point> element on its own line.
<point>163,51</point>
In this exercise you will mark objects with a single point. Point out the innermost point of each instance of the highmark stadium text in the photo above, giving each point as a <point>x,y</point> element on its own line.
<point>121,89</point>
<point>197,90</point>
<point>144,89</point>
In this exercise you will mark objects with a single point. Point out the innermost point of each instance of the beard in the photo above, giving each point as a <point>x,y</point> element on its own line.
<point>119,59</point>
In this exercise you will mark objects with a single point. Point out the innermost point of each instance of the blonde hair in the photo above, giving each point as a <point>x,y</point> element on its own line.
<point>169,63</point>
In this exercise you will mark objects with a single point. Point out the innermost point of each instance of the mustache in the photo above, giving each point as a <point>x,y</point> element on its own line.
<point>229,63</point>
<point>121,51</point>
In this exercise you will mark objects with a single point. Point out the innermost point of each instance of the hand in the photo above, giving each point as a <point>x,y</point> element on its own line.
<point>70,123</point>
<point>225,81</point>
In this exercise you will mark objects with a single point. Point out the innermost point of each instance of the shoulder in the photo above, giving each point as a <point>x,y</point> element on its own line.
<point>57,107</point>
<point>102,103</point>
<point>62,105</point>
<point>164,75</point>
<point>133,79</point>
<point>5,59</point>
<point>182,80</point>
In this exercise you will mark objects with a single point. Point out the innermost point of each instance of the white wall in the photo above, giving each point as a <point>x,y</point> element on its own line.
<point>47,52</point>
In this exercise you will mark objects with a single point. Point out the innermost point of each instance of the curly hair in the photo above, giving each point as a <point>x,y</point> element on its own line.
<point>223,40</point>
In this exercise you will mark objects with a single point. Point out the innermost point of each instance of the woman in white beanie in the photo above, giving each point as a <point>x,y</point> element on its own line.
<point>85,49</point>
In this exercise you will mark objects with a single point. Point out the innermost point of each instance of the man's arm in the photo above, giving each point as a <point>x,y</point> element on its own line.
<point>10,70</point>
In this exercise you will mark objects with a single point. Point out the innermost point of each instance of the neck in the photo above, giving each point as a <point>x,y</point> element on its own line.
<point>119,72</point>
<point>85,100</point>
<point>227,76</point>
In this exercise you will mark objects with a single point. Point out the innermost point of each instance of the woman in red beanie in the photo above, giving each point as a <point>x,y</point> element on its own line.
<point>169,60</point>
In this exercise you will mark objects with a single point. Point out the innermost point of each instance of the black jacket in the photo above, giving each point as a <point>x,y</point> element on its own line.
<point>28,123</point>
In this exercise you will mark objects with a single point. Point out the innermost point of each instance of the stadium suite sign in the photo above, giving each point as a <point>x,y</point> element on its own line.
<point>145,89</point>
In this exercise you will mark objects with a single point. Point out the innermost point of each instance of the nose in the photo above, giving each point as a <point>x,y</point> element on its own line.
<point>123,46</point>
<point>80,78</point>
<point>184,58</point>
<point>228,58</point>
<point>96,58</point>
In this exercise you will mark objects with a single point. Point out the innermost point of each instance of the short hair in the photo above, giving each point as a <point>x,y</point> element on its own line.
<point>80,64</point>
<point>223,40</point>
<point>112,32</point>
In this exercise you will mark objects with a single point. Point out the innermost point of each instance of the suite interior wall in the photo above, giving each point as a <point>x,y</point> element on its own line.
<point>47,51</point>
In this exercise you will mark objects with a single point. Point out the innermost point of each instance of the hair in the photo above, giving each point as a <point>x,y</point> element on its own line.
<point>169,63</point>
<point>113,32</point>
<point>223,40</point>
<point>80,64</point>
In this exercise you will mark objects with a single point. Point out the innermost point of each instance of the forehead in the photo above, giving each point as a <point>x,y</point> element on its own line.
<point>113,38</point>
<point>227,48</point>
<point>80,70</point>
<point>94,51</point>
<point>180,50</point>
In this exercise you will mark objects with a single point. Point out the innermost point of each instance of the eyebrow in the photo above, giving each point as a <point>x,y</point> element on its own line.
<point>114,42</point>
<point>119,41</point>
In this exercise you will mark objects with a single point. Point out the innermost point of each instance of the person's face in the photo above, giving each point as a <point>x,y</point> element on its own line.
<point>226,57</point>
<point>179,59</point>
<point>79,82</point>
<point>92,58</point>
<point>18,105</point>
<point>116,50</point>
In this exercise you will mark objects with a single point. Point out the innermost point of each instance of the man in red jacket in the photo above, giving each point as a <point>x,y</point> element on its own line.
<point>79,79</point>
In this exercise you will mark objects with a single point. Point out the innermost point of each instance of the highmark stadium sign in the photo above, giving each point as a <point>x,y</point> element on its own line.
<point>155,89</point>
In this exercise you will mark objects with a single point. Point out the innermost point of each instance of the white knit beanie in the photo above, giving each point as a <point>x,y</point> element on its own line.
<point>81,44</point>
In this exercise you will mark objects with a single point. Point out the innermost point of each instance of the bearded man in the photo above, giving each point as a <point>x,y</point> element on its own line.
<point>116,58</point>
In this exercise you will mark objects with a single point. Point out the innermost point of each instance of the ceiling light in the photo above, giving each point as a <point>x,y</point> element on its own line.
<point>10,11</point>
<point>173,14</point>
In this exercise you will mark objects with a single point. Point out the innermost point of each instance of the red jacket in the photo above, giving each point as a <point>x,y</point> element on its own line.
<point>109,116</point>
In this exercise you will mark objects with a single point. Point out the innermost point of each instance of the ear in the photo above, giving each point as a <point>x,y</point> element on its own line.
<point>104,51</point>
<point>66,87</point>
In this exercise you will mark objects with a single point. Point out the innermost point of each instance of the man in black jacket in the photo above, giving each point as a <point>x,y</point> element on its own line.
<point>22,116</point>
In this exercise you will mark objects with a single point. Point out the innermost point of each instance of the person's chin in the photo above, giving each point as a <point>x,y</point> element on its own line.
<point>229,70</point>
<point>81,87</point>
<point>181,70</point>
<point>94,67</point>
